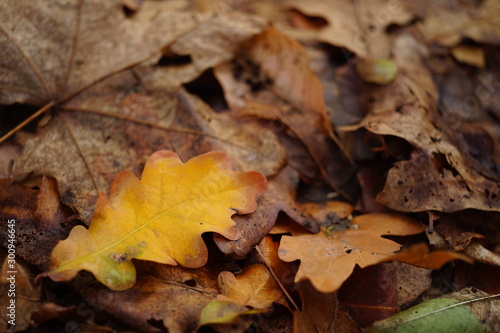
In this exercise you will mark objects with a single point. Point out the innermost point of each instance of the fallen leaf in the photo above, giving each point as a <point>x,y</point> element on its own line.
<point>468,310</point>
<point>273,70</point>
<point>84,157</point>
<point>473,56</point>
<point>279,197</point>
<point>407,108</point>
<point>158,218</point>
<point>40,219</point>
<point>412,282</point>
<point>26,297</point>
<point>29,308</point>
<point>477,22</point>
<point>321,313</point>
<point>226,313</point>
<point>254,287</point>
<point>358,26</point>
<point>328,260</point>
<point>283,271</point>
<point>144,307</point>
<point>419,255</point>
<point>370,294</point>
<point>56,58</point>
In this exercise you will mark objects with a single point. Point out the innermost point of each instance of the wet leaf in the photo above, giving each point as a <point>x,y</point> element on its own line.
<point>158,218</point>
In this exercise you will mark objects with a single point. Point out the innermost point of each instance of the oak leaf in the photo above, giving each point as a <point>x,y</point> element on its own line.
<point>327,260</point>
<point>158,218</point>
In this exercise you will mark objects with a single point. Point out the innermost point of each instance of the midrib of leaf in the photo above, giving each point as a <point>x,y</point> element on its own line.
<point>165,128</point>
<point>144,225</point>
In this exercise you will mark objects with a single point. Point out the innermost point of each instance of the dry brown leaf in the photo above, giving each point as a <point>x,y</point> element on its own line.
<point>447,25</point>
<point>73,45</point>
<point>273,70</point>
<point>358,26</point>
<point>283,271</point>
<point>328,260</point>
<point>370,294</point>
<point>168,296</point>
<point>28,309</point>
<point>254,287</point>
<point>407,108</point>
<point>321,313</point>
<point>40,219</point>
<point>419,255</point>
<point>279,197</point>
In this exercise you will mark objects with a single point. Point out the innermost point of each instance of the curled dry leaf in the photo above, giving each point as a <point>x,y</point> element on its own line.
<point>466,173</point>
<point>271,69</point>
<point>419,255</point>
<point>328,260</point>
<point>358,26</point>
<point>158,218</point>
<point>279,197</point>
<point>41,220</point>
<point>447,26</point>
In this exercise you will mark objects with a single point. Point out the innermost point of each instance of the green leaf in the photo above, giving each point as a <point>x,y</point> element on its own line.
<point>436,315</point>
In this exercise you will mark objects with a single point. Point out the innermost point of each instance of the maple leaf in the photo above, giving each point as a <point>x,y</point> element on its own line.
<point>254,287</point>
<point>158,218</point>
<point>328,260</point>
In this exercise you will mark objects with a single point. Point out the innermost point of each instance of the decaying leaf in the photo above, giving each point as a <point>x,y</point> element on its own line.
<point>476,21</point>
<point>328,260</point>
<point>40,219</point>
<point>29,308</point>
<point>65,34</point>
<point>279,197</point>
<point>370,294</point>
<point>226,313</point>
<point>254,287</point>
<point>358,26</point>
<point>465,174</point>
<point>272,70</point>
<point>164,297</point>
<point>419,255</point>
<point>158,218</point>
<point>321,313</point>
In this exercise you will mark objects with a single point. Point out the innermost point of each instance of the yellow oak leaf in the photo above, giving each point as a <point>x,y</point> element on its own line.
<point>158,218</point>
<point>328,258</point>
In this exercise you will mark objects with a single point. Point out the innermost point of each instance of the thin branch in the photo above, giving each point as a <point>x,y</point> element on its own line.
<point>26,121</point>
<point>282,287</point>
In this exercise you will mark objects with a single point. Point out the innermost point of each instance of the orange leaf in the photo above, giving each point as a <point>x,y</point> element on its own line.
<point>420,256</point>
<point>254,287</point>
<point>158,218</point>
<point>328,260</point>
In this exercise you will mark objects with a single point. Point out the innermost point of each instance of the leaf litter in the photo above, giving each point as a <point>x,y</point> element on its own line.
<point>394,102</point>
